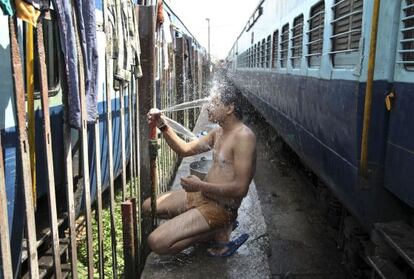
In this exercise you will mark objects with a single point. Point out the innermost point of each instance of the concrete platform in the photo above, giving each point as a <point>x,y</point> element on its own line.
<point>251,260</point>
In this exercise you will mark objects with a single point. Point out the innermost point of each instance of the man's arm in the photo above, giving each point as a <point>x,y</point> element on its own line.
<point>244,169</point>
<point>183,148</point>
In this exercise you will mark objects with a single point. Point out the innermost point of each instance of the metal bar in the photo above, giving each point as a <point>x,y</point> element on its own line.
<point>313,54</point>
<point>407,17</point>
<point>69,191</point>
<point>23,148</point>
<point>99,199</point>
<point>128,240</point>
<point>136,233</point>
<point>406,51</point>
<point>122,122</point>
<point>407,29</point>
<point>343,51</point>
<point>6,266</point>
<point>313,42</point>
<point>408,7</point>
<point>339,3</point>
<point>130,141</point>
<point>347,15</point>
<point>345,33</point>
<point>405,62</point>
<point>369,90</point>
<point>85,159</point>
<point>108,99</point>
<point>315,15</point>
<point>51,194</point>
<point>407,40</point>
<point>314,29</point>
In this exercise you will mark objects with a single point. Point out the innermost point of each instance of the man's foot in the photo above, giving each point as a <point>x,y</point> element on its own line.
<point>227,249</point>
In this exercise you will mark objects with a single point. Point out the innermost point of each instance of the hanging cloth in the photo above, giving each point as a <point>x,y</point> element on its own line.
<point>86,19</point>
<point>26,12</point>
<point>6,7</point>
<point>67,39</point>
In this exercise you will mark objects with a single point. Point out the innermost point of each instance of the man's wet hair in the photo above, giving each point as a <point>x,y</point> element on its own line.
<point>230,96</point>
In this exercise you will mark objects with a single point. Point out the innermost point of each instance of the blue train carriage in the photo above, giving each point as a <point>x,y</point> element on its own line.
<point>304,64</point>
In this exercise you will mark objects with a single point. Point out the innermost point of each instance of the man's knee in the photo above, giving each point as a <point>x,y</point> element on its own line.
<point>158,243</point>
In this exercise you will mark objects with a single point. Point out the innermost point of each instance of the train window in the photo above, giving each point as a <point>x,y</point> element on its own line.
<point>275,48</point>
<point>297,41</point>
<point>407,42</point>
<point>284,44</point>
<point>347,28</point>
<point>51,42</point>
<point>263,54</point>
<point>315,34</point>
<point>268,51</point>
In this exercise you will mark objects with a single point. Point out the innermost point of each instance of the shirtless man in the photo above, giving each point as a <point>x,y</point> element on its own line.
<point>207,209</point>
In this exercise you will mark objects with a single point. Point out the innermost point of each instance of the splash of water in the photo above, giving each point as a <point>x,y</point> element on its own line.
<point>187,105</point>
<point>179,129</point>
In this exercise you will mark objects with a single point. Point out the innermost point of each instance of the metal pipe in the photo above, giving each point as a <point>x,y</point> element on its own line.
<point>368,90</point>
<point>128,239</point>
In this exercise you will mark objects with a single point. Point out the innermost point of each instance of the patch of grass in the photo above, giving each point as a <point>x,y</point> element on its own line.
<point>82,247</point>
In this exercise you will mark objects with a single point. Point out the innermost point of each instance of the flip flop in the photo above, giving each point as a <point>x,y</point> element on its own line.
<point>231,246</point>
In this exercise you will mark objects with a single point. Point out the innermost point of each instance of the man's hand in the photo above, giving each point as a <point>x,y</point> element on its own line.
<point>154,116</point>
<point>191,183</point>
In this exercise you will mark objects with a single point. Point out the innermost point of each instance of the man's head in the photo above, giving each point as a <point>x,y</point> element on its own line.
<point>225,103</point>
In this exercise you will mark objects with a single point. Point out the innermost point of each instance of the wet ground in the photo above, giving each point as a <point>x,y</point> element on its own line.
<point>302,243</point>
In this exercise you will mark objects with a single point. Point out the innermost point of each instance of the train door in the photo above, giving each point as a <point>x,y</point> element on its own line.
<point>399,161</point>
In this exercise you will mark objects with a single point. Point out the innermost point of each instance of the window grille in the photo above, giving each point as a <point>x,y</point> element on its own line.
<point>406,50</point>
<point>284,44</point>
<point>315,34</point>
<point>268,51</point>
<point>275,48</point>
<point>297,40</point>
<point>258,55</point>
<point>347,28</point>
<point>263,54</point>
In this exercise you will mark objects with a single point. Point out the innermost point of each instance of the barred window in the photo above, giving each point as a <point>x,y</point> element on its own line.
<point>258,55</point>
<point>347,28</point>
<point>407,42</point>
<point>297,40</point>
<point>268,51</point>
<point>315,34</point>
<point>275,48</point>
<point>254,56</point>
<point>263,54</point>
<point>284,44</point>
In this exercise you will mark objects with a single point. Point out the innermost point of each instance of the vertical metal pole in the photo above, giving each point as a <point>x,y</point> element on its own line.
<point>24,157</point>
<point>85,159</point>
<point>69,192</point>
<point>99,199</point>
<point>122,122</point>
<point>136,236</point>
<point>369,89</point>
<point>51,194</point>
<point>7,268</point>
<point>108,99</point>
<point>128,239</point>
<point>130,140</point>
